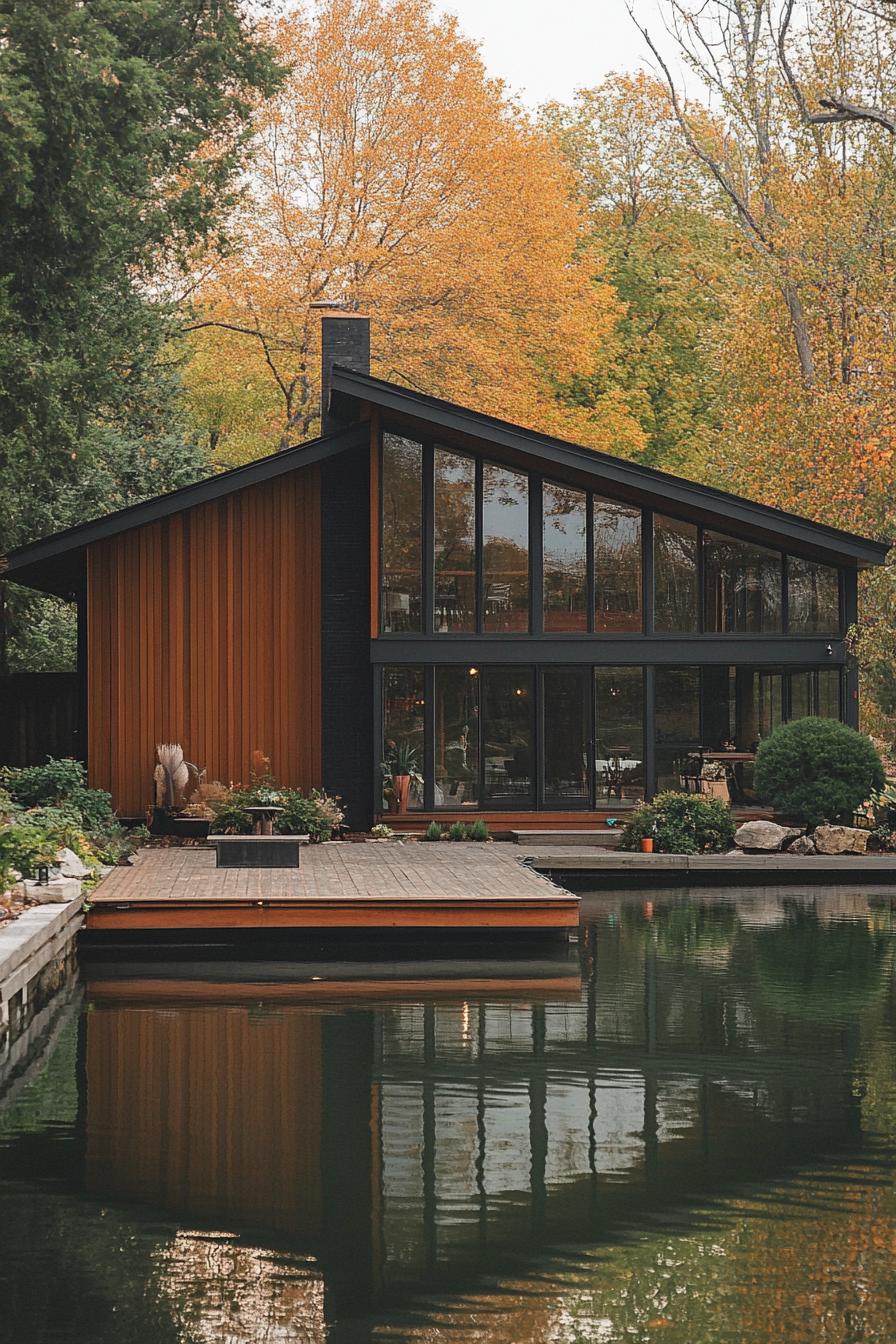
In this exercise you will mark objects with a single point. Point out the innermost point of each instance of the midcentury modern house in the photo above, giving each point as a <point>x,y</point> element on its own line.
<point>553,631</point>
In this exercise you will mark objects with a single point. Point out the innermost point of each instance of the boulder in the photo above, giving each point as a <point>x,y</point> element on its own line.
<point>70,865</point>
<point>840,840</point>
<point>57,892</point>
<point>803,844</point>
<point>764,836</point>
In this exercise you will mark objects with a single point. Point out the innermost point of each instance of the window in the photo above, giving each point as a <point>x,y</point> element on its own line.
<point>813,598</point>
<point>619,744</point>
<point>829,685</point>
<point>454,531</point>
<point>567,735</point>
<point>456,737</point>
<point>677,723</point>
<point>403,722</point>
<point>675,576</point>
<point>505,549</point>
<point>565,520</point>
<point>401,606</point>
<point>801,698</point>
<point>742,586</point>
<point>617,567</point>
<point>507,735</point>
<point>816,692</point>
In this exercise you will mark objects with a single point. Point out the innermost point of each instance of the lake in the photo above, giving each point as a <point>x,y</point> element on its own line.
<point>680,1129</point>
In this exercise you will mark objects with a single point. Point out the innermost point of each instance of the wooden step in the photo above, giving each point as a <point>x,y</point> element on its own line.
<point>605,837</point>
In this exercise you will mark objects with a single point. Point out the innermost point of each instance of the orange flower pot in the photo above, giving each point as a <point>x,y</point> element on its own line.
<point>647,844</point>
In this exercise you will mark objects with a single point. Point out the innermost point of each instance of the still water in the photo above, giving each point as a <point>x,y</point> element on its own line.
<point>683,1130</point>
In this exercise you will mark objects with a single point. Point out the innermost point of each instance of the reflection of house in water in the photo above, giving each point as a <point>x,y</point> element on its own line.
<point>422,1141</point>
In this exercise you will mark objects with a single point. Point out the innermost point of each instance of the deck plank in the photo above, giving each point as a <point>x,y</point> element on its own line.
<point>339,885</point>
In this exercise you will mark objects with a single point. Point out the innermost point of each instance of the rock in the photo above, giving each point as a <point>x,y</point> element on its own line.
<point>840,840</point>
<point>765,836</point>
<point>803,844</point>
<point>70,865</point>
<point>58,892</point>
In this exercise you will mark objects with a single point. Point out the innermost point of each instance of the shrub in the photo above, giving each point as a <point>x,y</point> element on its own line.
<point>433,831</point>
<point>39,785</point>
<point>817,770</point>
<point>53,800</point>
<point>682,823</point>
<point>479,830</point>
<point>381,832</point>
<point>315,814</point>
<point>458,831</point>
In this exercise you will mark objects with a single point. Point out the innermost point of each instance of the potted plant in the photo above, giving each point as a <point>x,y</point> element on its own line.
<point>714,781</point>
<point>175,781</point>
<point>194,820</point>
<point>402,768</point>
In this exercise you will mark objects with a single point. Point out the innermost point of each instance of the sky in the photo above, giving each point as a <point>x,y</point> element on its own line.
<point>547,51</point>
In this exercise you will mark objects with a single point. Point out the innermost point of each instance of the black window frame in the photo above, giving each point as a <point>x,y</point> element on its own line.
<point>536,482</point>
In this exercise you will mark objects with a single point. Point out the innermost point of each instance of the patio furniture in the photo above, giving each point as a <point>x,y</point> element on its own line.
<point>258,851</point>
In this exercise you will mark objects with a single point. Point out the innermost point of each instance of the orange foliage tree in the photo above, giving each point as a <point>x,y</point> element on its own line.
<point>392,174</point>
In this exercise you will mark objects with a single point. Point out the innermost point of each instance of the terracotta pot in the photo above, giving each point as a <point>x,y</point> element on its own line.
<point>647,844</point>
<point>401,787</point>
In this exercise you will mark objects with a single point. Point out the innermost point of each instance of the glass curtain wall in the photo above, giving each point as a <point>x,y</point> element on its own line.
<point>591,574</point>
<point>508,736</point>
<point>617,567</point>
<point>677,713</point>
<point>589,749</point>
<point>403,722</point>
<point>454,538</point>
<point>567,735</point>
<point>457,723</point>
<point>743,586</point>
<point>675,576</point>
<point>505,549</point>
<point>401,606</point>
<point>813,598</point>
<point>565,548</point>
<point>619,736</point>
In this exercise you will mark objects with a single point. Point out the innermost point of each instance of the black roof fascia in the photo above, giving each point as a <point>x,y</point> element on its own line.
<point>667,491</point>
<point>56,563</point>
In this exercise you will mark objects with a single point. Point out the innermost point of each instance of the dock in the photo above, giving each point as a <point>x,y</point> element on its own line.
<point>583,864</point>
<point>452,887</point>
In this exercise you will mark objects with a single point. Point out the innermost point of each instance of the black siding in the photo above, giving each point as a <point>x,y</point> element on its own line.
<point>347,683</point>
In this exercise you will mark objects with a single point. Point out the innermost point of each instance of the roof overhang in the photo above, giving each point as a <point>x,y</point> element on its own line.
<point>656,489</point>
<point>58,563</point>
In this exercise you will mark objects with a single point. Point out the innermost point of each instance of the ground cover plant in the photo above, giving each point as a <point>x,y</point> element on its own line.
<point>44,808</point>
<point>681,823</point>
<point>816,770</point>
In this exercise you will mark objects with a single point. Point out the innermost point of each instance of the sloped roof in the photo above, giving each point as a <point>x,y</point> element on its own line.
<point>55,564</point>
<point>661,490</point>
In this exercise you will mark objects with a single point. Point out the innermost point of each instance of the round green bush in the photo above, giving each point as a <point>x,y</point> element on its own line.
<point>682,823</point>
<point>816,770</point>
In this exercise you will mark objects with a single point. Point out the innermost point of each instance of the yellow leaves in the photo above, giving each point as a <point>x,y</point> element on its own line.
<point>392,172</point>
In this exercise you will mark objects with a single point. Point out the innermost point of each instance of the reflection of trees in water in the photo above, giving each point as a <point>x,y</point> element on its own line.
<point>822,972</point>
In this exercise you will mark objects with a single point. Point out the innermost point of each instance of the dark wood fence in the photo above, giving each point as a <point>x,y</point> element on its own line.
<point>38,717</point>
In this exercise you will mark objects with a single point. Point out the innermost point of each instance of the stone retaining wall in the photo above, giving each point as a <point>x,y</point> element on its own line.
<point>36,960</point>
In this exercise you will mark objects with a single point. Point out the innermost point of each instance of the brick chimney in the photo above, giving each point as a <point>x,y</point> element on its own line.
<point>345,340</point>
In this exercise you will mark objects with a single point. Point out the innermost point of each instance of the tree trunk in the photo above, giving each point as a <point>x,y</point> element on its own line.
<point>800,334</point>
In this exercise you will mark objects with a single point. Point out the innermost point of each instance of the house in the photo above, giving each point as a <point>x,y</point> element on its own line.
<point>550,630</point>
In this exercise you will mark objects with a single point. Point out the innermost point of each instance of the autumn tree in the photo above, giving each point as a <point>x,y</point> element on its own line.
<point>666,246</point>
<point>808,373</point>
<point>392,174</point>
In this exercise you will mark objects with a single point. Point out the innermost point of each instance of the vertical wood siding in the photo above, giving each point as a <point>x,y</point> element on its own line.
<point>204,629</point>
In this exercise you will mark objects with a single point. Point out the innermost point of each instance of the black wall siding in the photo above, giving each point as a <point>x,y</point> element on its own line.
<point>347,685</point>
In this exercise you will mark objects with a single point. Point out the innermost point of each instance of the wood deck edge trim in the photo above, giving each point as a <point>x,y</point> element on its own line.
<point>188,990</point>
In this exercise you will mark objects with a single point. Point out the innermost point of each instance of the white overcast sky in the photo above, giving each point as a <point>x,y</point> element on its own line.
<point>548,50</point>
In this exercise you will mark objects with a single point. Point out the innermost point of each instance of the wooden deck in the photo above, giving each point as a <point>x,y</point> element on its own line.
<point>450,887</point>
